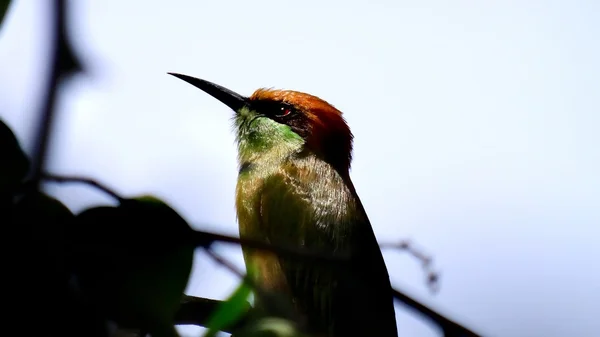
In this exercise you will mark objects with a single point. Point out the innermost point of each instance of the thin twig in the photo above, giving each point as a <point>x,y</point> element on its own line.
<point>201,238</point>
<point>449,327</point>
<point>433,277</point>
<point>198,311</point>
<point>82,180</point>
<point>228,265</point>
<point>408,246</point>
<point>58,28</point>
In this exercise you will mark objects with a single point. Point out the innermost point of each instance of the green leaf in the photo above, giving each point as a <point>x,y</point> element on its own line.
<point>273,327</point>
<point>270,327</point>
<point>229,311</point>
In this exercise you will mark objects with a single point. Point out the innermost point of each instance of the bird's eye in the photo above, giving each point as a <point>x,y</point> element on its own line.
<point>284,110</point>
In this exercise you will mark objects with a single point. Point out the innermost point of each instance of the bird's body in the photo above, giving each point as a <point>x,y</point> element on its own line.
<point>294,189</point>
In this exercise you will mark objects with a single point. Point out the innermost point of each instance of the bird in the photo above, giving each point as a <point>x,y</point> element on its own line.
<point>294,188</point>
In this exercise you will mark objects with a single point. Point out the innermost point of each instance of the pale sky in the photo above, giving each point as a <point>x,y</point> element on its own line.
<point>475,128</point>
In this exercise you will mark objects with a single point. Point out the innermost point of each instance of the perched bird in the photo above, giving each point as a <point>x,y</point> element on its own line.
<point>294,188</point>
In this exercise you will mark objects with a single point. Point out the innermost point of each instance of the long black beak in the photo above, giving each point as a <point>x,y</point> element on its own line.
<point>230,98</point>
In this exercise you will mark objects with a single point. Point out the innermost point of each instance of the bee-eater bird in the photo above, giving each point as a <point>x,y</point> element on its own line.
<point>294,188</point>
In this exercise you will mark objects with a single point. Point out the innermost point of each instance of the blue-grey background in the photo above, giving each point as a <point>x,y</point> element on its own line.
<point>476,127</point>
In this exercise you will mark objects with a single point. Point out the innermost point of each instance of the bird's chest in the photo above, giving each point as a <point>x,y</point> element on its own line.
<point>264,266</point>
<point>249,188</point>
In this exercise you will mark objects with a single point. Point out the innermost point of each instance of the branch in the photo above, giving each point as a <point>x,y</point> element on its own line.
<point>47,110</point>
<point>206,239</point>
<point>449,327</point>
<point>62,62</point>
<point>198,310</point>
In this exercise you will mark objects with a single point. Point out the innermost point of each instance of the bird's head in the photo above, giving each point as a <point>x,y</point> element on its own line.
<point>281,121</point>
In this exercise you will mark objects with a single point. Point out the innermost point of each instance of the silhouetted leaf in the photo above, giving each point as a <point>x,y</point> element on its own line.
<point>133,260</point>
<point>44,220</point>
<point>39,223</point>
<point>4,5</point>
<point>15,163</point>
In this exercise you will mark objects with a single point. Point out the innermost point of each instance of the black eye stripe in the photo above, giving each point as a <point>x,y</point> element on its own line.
<point>274,109</point>
<point>283,113</point>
